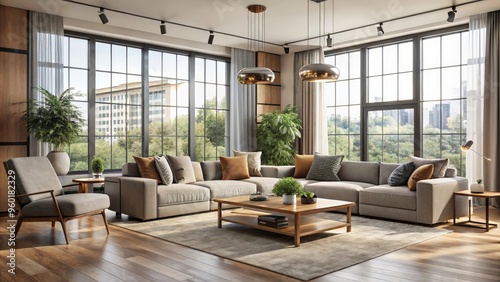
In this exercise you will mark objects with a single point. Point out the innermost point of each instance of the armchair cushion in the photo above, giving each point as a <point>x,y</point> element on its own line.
<point>70,205</point>
<point>34,174</point>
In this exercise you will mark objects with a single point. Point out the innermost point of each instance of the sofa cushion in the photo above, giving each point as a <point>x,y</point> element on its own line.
<point>179,193</point>
<point>385,170</point>
<point>440,165</point>
<point>264,184</point>
<point>338,190</point>
<point>182,169</point>
<point>198,172</point>
<point>302,165</point>
<point>130,169</point>
<point>228,188</point>
<point>164,170</point>
<point>351,171</point>
<point>253,161</point>
<point>389,196</point>
<point>401,174</point>
<point>70,205</point>
<point>325,167</point>
<point>147,168</point>
<point>421,173</point>
<point>234,168</point>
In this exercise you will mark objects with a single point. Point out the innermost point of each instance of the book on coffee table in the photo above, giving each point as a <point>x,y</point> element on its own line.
<point>278,225</point>
<point>273,218</point>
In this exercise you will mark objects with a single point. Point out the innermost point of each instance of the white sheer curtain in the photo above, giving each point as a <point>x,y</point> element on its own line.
<point>46,62</point>
<point>242,101</point>
<point>475,95</point>
<point>309,99</point>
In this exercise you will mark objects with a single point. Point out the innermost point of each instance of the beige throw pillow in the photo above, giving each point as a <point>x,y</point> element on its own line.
<point>234,168</point>
<point>253,159</point>
<point>164,170</point>
<point>421,173</point>
<point>182,169</point>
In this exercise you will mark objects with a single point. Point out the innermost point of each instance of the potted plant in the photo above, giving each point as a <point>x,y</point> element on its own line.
<point>477,187</point>
<point>97,167</point>
<point>56,121</point>
<point>276,136</point>
<point>308,197</point>
<point>289,188</point>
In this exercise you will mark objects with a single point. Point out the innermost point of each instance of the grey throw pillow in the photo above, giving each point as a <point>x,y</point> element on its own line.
<point>166,175</point>
<point>401,174</point>
<point>440,165</point>
<point>325,167</point>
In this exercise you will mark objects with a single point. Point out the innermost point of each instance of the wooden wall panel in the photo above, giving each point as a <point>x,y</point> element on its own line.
<point>268,94</point>
<point>269,60</point>
<point>7,152</point>
<point>13,89</point>
<point>262,109</point>
<point>13,27</point>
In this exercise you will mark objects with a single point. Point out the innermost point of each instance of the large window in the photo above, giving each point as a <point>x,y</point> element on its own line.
<point>118,103</point>
<point>444,86</point>
<point>76,69</point>
<point>343,102</point>
<point>112,78</point>
<point>401,116</point>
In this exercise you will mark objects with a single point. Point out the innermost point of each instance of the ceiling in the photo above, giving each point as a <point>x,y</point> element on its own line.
<point>286,21</point>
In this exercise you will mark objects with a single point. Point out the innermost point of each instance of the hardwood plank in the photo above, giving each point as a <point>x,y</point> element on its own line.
<point>165,270</point>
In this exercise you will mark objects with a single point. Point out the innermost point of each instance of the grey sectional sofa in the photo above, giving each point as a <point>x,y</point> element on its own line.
<point>364,183</point>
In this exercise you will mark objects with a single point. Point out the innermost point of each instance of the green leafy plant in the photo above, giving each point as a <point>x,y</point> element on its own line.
<point>53,119</point>
<point>97,165</point>
<point>479,181</point>
<point>276,136</point>
<point>308,194</point>
<point>288,186</point>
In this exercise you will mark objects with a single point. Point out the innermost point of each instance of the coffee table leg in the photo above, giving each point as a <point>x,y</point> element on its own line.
<point>83,188</point>
<point>454,211</point>
<point>348,215</point>
<point>219,215</point>
<point>297,230</point>
<point>487,214</point>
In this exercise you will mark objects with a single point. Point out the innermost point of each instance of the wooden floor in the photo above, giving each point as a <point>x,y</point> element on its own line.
<point>467,254</point>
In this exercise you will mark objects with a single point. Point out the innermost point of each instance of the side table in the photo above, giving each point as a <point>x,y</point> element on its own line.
<point>487,195</point>
<point>84,182</point>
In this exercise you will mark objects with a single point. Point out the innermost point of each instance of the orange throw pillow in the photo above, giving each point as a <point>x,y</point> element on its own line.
<point>302,165</point>
<point>421,173</point>
<point>234,168</point>
<point>147,168</point>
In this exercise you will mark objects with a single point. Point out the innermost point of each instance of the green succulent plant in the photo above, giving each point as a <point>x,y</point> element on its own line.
<point>479,181</point>
<point>308,194</point>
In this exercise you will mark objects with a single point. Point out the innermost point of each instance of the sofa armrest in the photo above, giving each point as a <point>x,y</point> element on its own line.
<point>435,199</point>
<point>139,197</point>
<point>112,189</point>
<point>277,171</point>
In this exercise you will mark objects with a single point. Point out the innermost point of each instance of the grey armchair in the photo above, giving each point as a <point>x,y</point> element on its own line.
<point>40,196</point>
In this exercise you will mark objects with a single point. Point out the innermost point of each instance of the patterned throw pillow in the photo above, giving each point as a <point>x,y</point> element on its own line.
<point>182,169</point>
<point>234,168</point>
<point>421,173</point>
<point>164,170</point>
<point>440,165</point>
<point>253,159</point>
<point>147,168</point>
<point>325,167</point>
<point>401,174</point>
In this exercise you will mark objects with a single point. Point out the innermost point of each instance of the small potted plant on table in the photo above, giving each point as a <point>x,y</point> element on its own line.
<point>308,197</point>
<point>477,187</point>
<point>97,167</point>
<point>289,188</point>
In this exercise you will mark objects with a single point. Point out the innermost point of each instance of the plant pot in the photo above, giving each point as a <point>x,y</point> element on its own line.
<point>60,162</point>
<point>289,199</point>
<point>477,188</point>
<point>306,200</point>
<point>97,175</point>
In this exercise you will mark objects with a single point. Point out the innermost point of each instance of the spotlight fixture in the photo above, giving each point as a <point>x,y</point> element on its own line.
<point>451,14</point>
<point>103,17</point>
<point>467,146</point>
<point>211,38</point>
<point>380,30</point>
<point>163,28</point>
<point>286,48</point>
<point>329,42</point>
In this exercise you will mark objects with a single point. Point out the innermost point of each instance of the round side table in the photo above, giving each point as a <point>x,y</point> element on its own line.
<point>84,182</point>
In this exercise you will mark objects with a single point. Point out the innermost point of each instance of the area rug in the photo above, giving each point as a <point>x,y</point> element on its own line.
<point>317,255</point>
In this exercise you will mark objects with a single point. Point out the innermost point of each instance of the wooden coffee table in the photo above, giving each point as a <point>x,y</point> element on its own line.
<point>299,226</point>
